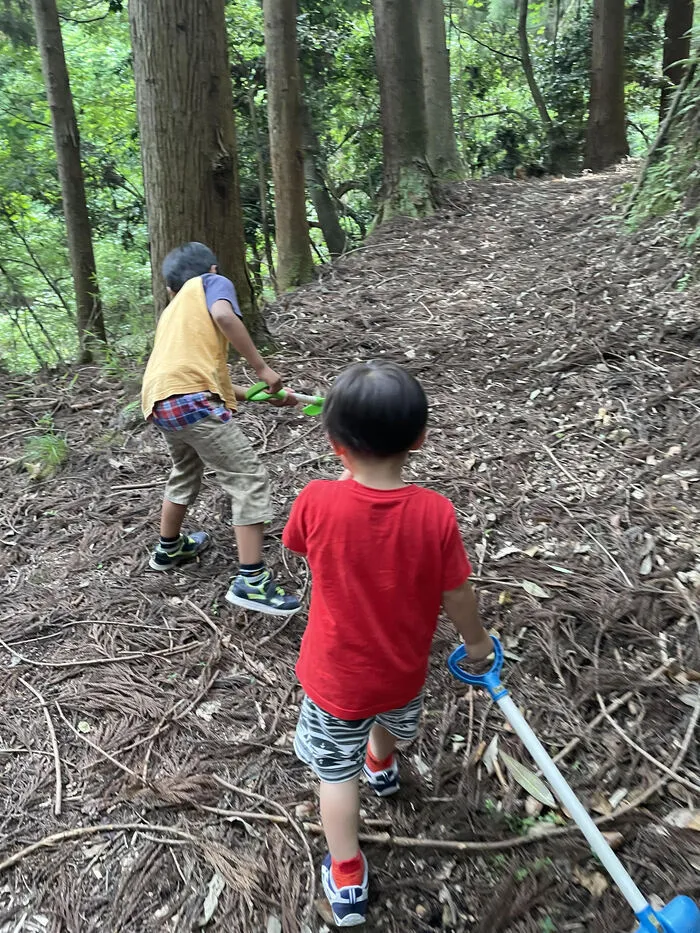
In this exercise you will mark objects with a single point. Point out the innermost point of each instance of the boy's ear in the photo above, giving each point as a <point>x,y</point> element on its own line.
<point>337,449</point>
<point>421,440</point>
<point>170,292</point>
<point>214,269</point>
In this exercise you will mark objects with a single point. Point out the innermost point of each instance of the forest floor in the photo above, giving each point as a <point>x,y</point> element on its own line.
<point>561,356</point>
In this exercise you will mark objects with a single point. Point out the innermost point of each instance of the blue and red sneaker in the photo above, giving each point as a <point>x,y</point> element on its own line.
<point>386,782</point>
<point>349,904</point>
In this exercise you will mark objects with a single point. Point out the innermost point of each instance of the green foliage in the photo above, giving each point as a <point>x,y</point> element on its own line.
<point>44,454</point>
<point>498,129</point>
<point>672,180</point>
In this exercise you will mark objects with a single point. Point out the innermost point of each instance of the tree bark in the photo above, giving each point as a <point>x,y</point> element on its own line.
<point>407,188</point>
<point>91,328</point>
<point>315,173</point>
<point>294,260</point>
<point>262,184</point>
<point>679,22</point>
<point>442,153</point>
<point>188,138</point>
<point>606,138</point>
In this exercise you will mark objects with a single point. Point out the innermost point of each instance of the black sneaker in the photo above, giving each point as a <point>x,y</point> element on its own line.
<point>187,548</point>
<point>262,596</point>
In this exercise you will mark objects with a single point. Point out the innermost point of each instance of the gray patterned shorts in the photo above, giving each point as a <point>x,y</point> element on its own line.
<point>335,749</point>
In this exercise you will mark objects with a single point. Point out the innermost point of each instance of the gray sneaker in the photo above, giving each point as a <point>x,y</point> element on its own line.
<point>263,596</point>
<point>188,548</point>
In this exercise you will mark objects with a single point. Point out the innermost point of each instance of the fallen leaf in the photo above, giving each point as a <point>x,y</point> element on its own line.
<point>646,566</point>
<point>490,755</point>
<point>505,552</point>
<point>421,767</point>
<point>690,699</point>
<point>532,807</point>
<point>323,909</point>
<point>614,839</point>
<point>211,901</point>
<point>560,569</point>
<point>84,726</point>
<point>535,589</point>
<point>594,882</point>
<point>529,781</point>
<point>600,804</point>
<point>304,811</point>
<point>457,743</point>
<point>532,550</point>
<point>273,925</point>
<point>684,819</point>
<point>504,598</point>
<point>207,709</point>
<point>616,799</point>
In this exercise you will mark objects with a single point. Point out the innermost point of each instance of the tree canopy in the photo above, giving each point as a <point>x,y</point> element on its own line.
<point>498,126</point>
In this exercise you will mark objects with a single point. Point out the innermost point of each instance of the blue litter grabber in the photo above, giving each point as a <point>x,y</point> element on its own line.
<point>681,915</point>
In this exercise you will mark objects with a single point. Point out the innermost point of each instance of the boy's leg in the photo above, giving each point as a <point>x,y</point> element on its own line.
<point>340,815</point>
<point>171,518</point>
<point>381,767</point>
<point>335,750</point>
<point>249,539</point>
<point>224,449</point>
<point>181,491</point>
<point>382,743</point>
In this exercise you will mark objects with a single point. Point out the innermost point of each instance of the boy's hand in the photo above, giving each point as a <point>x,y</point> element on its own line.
<point>480,650</point>
<point>267,375</point>
<point>288,401</point>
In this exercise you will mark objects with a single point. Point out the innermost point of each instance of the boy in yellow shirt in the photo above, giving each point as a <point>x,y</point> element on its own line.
<point>188,395</point>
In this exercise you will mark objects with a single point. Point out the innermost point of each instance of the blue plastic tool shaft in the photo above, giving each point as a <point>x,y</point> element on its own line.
<point>574,807</point>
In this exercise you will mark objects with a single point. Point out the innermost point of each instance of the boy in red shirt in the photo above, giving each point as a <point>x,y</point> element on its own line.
<point>384,557</point>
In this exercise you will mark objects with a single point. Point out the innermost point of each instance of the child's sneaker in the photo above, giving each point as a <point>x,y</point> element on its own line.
<point>262,595</point>
<point>349,905</point>
<point>384,783</point>
<point>187,548</point>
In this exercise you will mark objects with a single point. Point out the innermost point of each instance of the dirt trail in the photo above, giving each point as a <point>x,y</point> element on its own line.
<point>561,360</point>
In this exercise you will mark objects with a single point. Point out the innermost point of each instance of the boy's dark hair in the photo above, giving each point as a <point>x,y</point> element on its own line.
<point>185,263</point>
<point>376,409</point>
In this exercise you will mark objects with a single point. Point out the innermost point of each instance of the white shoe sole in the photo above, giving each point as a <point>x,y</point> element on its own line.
<point>352,920</point>
<point>253,606</point>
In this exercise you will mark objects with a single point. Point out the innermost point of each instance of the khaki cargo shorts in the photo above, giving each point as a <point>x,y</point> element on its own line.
<point>220,446</point>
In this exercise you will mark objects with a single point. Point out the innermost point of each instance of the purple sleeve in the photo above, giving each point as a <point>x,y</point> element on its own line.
<point>219,288</point>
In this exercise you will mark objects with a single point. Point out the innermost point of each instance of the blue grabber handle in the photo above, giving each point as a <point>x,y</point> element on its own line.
<point>681,915</point>
<point>490,681</point>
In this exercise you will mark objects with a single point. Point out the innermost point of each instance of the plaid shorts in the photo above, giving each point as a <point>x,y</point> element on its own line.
<point>222,447</point>
<point>335,749</point>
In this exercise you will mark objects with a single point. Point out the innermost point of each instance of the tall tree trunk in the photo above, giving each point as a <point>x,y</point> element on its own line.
<point>262,183</point>
<point>679,22</point>
<point>91,328</point>
<point>188,137</point>
<point>407,187</point>
<point>315,173</point>
<point>294,260</point>
<point>442,153</point>
<point>606,138</point>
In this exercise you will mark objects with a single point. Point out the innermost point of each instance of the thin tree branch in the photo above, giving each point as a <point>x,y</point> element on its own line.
<point>484,45</point>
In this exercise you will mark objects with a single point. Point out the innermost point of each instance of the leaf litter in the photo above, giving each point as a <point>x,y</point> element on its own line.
<point>560,356</point>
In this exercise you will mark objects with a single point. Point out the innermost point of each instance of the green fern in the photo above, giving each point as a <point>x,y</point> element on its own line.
<point>44,454</point>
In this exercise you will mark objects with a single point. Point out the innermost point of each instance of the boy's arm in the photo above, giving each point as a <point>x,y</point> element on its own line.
<point>289,400</point>
<point>460,605</point>
<point>234,330</point>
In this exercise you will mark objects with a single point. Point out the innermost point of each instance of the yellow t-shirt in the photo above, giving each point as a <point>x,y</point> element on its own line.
<point>189,352</point>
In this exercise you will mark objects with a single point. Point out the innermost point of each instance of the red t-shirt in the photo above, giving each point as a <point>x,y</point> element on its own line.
<point>380,561</point>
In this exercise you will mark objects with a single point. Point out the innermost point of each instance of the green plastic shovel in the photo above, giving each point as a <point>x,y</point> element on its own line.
<point>258,393</point>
